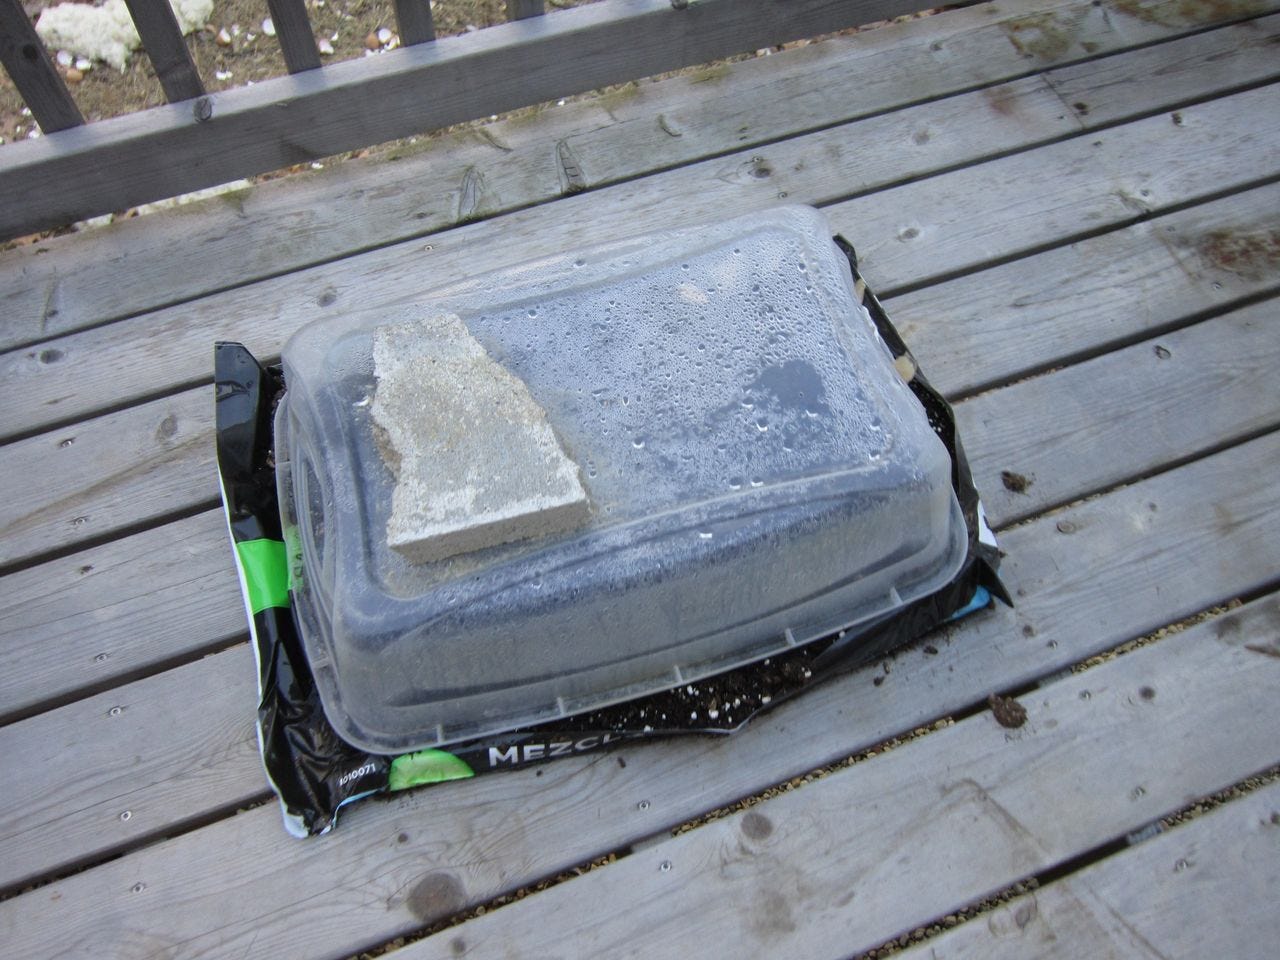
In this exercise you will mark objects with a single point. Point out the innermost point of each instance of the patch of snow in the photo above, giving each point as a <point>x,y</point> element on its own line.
<point>107,32</point>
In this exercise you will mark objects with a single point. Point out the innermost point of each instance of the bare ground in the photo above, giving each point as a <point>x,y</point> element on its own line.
<point>250,57</point>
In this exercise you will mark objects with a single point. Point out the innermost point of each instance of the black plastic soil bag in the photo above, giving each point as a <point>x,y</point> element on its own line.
<point>315,773</point>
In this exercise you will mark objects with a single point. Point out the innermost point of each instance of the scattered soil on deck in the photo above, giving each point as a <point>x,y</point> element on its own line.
<point>719,703</point>
<point>1009,713</point>
<point>1015,482</point>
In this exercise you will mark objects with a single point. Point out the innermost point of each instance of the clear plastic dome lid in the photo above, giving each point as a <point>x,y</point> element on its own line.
<point>582,480</point>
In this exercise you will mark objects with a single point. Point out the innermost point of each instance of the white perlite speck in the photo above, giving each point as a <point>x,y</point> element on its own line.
<point>476,462</point>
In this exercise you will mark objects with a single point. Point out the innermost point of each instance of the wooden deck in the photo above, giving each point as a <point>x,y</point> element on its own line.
<point>1072,212</point>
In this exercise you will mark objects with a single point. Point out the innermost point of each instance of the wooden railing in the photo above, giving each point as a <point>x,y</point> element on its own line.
<point>201,139</point>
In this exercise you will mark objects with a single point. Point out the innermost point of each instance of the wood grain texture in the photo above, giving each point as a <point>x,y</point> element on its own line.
<point>293,32</point>
<point>44,516</point>
<point>162,39</point>
<point>1072,431</point>
<point>1062,191</point>
<point>992,326</point>
<point>915,233</point>
<point>106,475</point>
<point>91,768</point>
<point>1098,573</point>
<point>306,116</point>
<point>70,283</point>
<point>105,615</point>
<point>1201,889</point>
<point>32,71</point>
<point>860,856</point>
<point>413,17</point>
<point>262,315</point>
<point>1123,571</point>
<point>1142,444</point>
<point>1091,295</point>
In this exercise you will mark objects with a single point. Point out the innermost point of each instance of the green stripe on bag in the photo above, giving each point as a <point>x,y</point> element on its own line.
<point>427,766</point>
<point>266,573</point>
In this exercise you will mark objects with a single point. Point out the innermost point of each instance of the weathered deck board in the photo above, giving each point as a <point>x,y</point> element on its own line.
<point>1094,294</point>
<point>993,326</point>
<point>1076,187</point>
<point>103,616</point>
<point>472,844</point>
<point>1084,184</point>
<point>106,475</point>
<point>49,516</point>
<point>280,122</point>
<point>1202,889</point>
<point>1238,403</point>
<point>829,870</point>
<point>1180,394</point>
<point>71,283</point>
<point>94,767</point>
<point>1119,574</point>
<point>1034,278</point>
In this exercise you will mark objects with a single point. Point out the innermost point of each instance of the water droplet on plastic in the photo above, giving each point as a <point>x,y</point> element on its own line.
<point>705,534</point>
<point>638,443</point>
<point>756,482</point>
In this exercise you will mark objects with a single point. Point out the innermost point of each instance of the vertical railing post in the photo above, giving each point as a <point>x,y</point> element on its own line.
<point>162,39</point>
<point>293,31</point>
<point>32,71</point>
<point>523,9</point>
<point>414,19</point>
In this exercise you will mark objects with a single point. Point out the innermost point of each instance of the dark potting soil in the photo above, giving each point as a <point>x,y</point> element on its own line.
<point>717,704</point>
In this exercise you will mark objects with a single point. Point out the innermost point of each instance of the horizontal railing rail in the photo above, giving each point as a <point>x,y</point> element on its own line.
<point>203,139</point>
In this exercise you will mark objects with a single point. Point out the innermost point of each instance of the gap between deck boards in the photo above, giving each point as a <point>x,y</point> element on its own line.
<point>1228,531</point>
<point>1116,612</point>
<point>996,321</point>
<point>1148,667</point>
<point>80,375</point>
<point>37,519</point>
<point>67,284</point>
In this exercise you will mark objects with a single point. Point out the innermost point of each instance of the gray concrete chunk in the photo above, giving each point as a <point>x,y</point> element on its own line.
<point>476,462</point>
